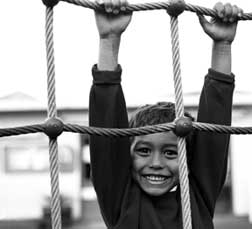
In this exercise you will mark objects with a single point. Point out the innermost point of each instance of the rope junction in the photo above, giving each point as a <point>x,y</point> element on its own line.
<point>53,127</point>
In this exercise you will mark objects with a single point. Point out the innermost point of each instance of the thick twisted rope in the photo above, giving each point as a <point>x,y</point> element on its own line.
<point>154,6</point>
<point>6,132</point>
<point>127,132</point>
<point>183,169</point>
<point>221,129</point>
<point>52,112</point>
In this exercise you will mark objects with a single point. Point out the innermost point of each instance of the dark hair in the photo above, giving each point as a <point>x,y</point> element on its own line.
<point>162,112</point>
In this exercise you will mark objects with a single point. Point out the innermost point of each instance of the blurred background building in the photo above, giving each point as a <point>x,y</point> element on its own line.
<point>24,166</point>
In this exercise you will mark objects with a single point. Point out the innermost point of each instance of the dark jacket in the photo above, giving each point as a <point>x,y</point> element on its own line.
<point>122,202</point>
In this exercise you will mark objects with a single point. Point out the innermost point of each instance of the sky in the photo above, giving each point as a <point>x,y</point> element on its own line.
<point>145,53</point>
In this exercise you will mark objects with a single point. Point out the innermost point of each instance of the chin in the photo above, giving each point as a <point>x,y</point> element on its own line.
<point>154,192</point>
<point>155,189</point>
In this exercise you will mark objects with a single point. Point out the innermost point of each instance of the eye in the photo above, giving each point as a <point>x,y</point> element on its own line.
<point>143,151</point>
<point>172,154</point>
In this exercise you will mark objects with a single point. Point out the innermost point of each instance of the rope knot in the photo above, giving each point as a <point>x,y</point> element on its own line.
<point>183,126</point>
<point>50,3</point>
<point>53,127</point>
<point>176,7</point>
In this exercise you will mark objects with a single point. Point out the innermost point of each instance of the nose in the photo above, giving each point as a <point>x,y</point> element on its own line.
<point>156,161</point>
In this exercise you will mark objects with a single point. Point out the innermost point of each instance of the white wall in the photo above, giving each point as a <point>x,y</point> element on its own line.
<point>241,158</point>
<point>23,194</point>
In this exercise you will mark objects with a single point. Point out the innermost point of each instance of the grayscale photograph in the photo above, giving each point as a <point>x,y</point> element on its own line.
<point>125,114</point>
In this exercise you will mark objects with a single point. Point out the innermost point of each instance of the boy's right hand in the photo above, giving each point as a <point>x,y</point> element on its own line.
<point>114,21</point>
<point>224,27</point>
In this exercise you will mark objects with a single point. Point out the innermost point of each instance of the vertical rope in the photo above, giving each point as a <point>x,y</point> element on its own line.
<point>52,112</point>
<point>183,170</point>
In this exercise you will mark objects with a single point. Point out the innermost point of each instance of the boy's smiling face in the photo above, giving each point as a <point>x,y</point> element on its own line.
<point>155,162</point>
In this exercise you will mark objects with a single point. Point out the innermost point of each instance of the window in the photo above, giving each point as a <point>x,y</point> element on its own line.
<point>36,158</point>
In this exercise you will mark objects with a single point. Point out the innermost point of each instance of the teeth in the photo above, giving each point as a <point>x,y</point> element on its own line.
<point>155,178</point>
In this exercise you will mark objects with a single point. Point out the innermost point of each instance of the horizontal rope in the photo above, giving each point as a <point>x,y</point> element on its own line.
<point>155,6</point>
<point>125,132</point>
<point>222,129</point>
<point>6,132</point>
<point>115,132</point>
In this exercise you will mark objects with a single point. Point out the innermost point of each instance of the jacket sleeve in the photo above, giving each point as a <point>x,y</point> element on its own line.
<point>110,157</point>
<point>210,152</point>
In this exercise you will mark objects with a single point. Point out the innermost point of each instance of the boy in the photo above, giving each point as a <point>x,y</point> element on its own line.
<point>136,180</point>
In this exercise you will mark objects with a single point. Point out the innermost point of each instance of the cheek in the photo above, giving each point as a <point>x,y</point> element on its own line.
<point>138,163</point>
<point>173,166</point>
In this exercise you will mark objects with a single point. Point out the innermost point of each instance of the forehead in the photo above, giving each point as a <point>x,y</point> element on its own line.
<point>167,138</point>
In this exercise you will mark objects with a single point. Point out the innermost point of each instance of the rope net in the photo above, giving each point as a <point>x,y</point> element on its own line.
<point>53,126</point>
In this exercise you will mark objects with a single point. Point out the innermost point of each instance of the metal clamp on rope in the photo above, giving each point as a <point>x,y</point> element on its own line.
<point>183,126</point>
<point>50,3</point>
<point>53,127</point>
<point>176,7</point>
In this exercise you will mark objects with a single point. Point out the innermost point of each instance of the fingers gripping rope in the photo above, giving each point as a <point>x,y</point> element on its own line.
<point>155,6</point>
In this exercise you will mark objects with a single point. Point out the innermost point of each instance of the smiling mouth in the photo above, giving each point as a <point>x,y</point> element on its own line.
<point>156,179</point>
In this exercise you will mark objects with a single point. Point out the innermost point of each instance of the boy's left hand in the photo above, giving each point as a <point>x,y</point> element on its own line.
<point>224,27</point>
<point>114,20</point>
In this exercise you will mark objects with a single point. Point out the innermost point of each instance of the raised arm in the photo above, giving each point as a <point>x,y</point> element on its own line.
<point>222,30</point>
<point>210,152</point>
<point>110,158</point>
